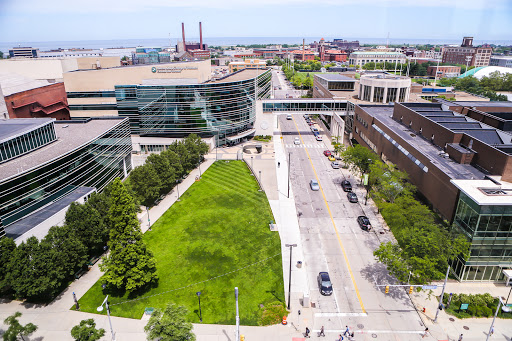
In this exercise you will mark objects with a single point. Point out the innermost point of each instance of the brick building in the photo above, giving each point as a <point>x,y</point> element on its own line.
<point>200,54</point>
<point>443,71</point>
<point>466,54</point>
<point>334,56</point>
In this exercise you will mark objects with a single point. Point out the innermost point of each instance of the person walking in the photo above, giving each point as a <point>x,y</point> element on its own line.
<point>307,332</point>
<point>492,331</point>
<point>340,339</point>
<point>278,164</point>
<point>425,333</point>
<point>321,333</point>
<point>460,337</point>
<point>347,331</point>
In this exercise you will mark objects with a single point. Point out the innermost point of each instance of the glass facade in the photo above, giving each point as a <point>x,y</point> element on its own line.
<point>304,105</point>
<point>208,109</point>
<point>94,164</point>
<point>489,228</point>
<point>27,142</point>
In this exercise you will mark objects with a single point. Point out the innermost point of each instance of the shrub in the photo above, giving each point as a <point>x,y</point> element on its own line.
<point>272,314</point>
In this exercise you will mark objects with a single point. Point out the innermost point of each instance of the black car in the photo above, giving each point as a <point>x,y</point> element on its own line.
<point>324,283</point>
<point>347,186</point>
<point>352,197</point>
<point>364,223</point>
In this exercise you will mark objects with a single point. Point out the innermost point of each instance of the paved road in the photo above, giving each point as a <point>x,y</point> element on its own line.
<point>333,242</point>
<point>279,80</point>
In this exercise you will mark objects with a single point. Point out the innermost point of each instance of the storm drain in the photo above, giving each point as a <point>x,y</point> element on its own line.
<point>360,326</point>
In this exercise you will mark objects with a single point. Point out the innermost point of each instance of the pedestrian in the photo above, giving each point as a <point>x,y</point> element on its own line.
<point>347,331</point>
<point>492,331</point>
<point>460,337</point>
<point>307,332</point>
<point>425,334</point>
<point>340,339</point>
<point>321,332</point>
<point>278,164</point>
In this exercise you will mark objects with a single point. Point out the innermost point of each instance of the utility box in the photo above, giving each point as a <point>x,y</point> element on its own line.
<point>305,300</point>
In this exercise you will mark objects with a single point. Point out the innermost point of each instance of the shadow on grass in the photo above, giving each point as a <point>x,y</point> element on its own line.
<point>273,292</point>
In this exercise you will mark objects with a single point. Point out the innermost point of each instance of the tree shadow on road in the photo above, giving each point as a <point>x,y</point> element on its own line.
<point>378,273</point>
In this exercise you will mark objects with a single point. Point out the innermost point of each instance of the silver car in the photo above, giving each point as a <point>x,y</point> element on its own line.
<point>335,165</point>
<point>314,185</point>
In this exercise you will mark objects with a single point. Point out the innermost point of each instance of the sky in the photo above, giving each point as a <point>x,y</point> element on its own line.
<point>64,20</point>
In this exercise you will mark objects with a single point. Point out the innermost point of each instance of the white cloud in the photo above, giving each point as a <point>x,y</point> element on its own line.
<point>96,6</point>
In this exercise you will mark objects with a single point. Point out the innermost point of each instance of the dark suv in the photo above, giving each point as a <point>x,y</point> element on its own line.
<point>324,283</point>
<point>364,223</point>
<point>347,186</point>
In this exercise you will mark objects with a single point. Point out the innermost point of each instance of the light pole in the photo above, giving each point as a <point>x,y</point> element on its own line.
<point>199,298</point>
<point>237,317</point>
<point>199,166</point>
<point>439,307</point>
<point>468,59</point>
<point>509,294</point>
<point>252,166</point>
<point>504,308</point>
<point>367,180</point>
<point>290,274</point>
<point>100,308</point>
<point>289,154</point>
<point>178,189</point>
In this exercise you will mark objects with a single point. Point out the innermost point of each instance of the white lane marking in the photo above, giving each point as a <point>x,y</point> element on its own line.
<point>340,314</point>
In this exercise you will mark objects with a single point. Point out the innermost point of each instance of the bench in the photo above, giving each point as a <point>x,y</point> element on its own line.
<point>80,273</point>
<point>93,261</point>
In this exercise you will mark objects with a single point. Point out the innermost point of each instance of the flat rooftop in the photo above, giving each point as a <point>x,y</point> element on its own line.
<point>486,192</point>
<point>241,75</point>
<point>451,168</point>
<point>484,104</point>
<point>13,83</point>
<point>70,136</point>
<point>335,77</point>
<point>19,126</point>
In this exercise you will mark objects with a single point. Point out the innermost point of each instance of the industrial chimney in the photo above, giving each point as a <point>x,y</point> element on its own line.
<point>183,34</point>
<point>201,47</point>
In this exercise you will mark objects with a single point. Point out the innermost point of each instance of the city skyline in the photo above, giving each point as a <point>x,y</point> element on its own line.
<point>100,20</point>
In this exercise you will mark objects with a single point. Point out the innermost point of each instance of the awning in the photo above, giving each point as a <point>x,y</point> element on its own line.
<point>244,134</point>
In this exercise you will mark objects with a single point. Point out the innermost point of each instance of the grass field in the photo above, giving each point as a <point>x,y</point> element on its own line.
<point>220,225</point>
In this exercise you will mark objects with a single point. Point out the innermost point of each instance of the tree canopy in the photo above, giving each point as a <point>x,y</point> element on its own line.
<point>16,329</point>
<point>169,325</point>
<point>86,331</point>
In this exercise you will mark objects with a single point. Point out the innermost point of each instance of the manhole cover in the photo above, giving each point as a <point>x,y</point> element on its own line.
<point>451,319</point>
<point>466,327</point>
<point>374,336</point>
<point>360,326</point>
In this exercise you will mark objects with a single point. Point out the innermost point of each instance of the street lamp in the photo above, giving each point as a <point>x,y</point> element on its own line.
<point>178,189</point>
<point>149,222</point>
<point>237,317</point>
<point>199,298</point>
<point>199,166</point>
<point>504,308</point>
<point>289,154</point>
<point>367,180</point>
<point>290,274</point>
<point>100,308</point>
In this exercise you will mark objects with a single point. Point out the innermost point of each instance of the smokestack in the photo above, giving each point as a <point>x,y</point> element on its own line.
<point>201,47</point>
<point>303,51</point>
<point>183,34</point>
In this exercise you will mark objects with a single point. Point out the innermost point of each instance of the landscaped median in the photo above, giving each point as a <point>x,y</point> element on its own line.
<point>213,240</point>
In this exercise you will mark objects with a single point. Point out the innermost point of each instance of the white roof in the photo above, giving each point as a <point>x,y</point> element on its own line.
<point>12,83</point>
<point>486,71</point>
<point>476,190</point>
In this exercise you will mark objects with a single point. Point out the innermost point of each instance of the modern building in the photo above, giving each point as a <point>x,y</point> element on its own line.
<point>443,71</point>
<point>28,98</point>
<point>23,52</point>
<point>362,57</point>
<point>327,85</point>
<point>448,156</point>
<point>150,55</point>
<point>43,161</point>
<point>247,64</point>
<point>485,71</point>
<point>384,88</point>
<point>503,61</point>
<point>466,54</point>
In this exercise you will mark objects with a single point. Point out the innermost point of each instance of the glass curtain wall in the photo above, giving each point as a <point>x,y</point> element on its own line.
<point>27,142</point>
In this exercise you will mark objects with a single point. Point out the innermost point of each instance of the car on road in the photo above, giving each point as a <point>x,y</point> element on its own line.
<point>364,223</point>
<point>347,186</point>
<point>331,158</point>
<point>314,185</point>
<point>296,141</point>
<point>327,153</point>
<point>324,283</point>
<point>335,165</point>
<point>306,116</point>
<point>352,197</point>
<point>310,123</point>
<point>288,117</point>
<point>318,137</point>
<point>313,129</point>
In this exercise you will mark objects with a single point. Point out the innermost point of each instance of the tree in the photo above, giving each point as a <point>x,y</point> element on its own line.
<point>16,329</point>
<point>7,248</point>
<point>129,265</point>
<point>86,331</point>
<point>164,170</point>
<point>358,158</point>
<point>170,324</point>
<point>86,223</point>
<point>145,184</point>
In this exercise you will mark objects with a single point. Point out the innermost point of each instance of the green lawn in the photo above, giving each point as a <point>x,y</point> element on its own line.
<point>303,75</point>
<point>220,225</point>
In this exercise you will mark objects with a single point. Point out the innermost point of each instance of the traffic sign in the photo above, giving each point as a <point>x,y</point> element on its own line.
<point>464,306</point>
<point>429,287</point>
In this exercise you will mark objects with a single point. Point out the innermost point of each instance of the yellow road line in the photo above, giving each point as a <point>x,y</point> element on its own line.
<point>332,220</point>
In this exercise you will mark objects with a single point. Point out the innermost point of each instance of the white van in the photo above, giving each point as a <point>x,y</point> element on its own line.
<point>288,117</point>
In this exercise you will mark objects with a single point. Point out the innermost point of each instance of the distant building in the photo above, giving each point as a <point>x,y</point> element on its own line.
<point>485,71</point>
<point>24,52</point>
<point>334,56</point>
<point>345,44</point>
<point>247,64</point>
<point>466,54</point>
<point>384,88</point>
<point>302,55</point>
<point>504,61</point>
<point>362,58</point>
<point>200,54</point>
<point>190,45</point>
<point>183,56</point>
<point>443,71</point>
<point>28,98</point>
<point>328,85</point>
<point>150,55</point>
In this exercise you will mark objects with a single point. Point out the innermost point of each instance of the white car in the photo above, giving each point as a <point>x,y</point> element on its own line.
<point>296,141</point>
<point>335,165</point>
<point>318,138</point>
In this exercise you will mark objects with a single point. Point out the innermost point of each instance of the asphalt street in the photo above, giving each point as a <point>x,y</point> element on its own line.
<point>333,242</point>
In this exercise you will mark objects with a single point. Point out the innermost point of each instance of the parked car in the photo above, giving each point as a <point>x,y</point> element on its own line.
<point>347,186</point>
<point>296,141</point>
<point>306,116</point>
<point>352,197</point>
<point>335,165</point>
<point>288,117</point>
<point>316,133</point>
<point>318,137</point>
<point>331,158</point>
<point>314,185</point>
<point>314,129</point>
<point>324,283</point>
<point>310,123</point>
<point>327,152</point>
<point>364,223</point>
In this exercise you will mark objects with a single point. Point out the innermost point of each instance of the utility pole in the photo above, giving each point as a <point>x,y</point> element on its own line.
<point>442,293</point>
<point>237,338</point>
<point>290,275</point>
<point>289,153</point>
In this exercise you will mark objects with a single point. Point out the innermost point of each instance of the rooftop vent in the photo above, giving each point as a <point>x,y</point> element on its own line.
<point>495,191</point>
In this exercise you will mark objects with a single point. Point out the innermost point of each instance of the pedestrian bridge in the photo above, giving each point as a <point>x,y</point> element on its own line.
<point>322,106</point>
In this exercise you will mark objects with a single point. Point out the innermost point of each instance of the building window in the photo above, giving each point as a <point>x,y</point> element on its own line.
<point>378,94</point>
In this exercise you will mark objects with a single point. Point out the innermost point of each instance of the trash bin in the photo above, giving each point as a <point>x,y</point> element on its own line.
<point>299,264</point>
